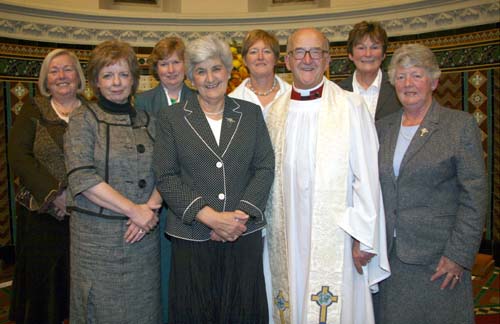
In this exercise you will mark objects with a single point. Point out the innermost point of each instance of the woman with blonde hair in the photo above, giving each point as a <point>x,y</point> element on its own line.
<point>41,278</point>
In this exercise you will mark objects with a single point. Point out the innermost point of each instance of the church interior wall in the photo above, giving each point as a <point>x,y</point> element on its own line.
<point>465,41</point>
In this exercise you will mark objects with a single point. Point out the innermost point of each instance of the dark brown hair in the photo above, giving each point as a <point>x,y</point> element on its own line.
<point>371,29</point>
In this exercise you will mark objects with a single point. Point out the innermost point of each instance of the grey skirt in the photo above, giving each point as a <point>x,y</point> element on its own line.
<point>112,281</point>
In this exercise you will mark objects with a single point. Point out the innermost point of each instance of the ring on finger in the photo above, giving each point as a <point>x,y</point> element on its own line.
<point>141,231</point>
<point>456,277</point>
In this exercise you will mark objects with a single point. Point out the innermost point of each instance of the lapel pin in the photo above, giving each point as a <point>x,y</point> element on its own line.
<point>423,131</point>
<point>230,120</point>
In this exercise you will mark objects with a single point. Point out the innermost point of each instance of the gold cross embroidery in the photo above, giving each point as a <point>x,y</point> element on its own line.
<point>282,305</point>
<point>324,299</point>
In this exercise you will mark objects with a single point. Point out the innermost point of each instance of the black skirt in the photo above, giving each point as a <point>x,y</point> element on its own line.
<point>41,279</point>
<point>218,283</point>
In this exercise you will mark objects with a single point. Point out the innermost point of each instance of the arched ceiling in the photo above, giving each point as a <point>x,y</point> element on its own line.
<point>86,22</point>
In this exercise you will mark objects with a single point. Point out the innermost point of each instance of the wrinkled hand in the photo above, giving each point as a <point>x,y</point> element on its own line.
<point>360,258</point>
<point>226,226</point>
<point>451,270</point>
<point>134,233</point>
<point>144,216</point>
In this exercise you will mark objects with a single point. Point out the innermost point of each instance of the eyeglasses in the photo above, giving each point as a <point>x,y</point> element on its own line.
<point>299,53</point>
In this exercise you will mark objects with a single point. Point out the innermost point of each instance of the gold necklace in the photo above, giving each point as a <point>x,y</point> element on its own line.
<point>265,93</point>
<point>58,107</point>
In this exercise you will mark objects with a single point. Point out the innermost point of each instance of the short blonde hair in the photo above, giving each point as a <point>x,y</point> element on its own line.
<point>414,55</point>
<point>44,71</point>
<point>108,53</point>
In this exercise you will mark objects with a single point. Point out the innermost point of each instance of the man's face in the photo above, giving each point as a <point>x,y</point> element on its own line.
<point>307,71</point>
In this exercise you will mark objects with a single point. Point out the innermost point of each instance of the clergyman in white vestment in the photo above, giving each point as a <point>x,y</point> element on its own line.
<point>326,226</point>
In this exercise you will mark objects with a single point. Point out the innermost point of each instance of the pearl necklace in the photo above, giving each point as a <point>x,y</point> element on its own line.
<point>214,113</point>
<point>265,93</point>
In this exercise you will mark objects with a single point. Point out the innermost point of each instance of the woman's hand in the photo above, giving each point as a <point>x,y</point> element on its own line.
<point>60,205</point>
<point>226,226</point>
<point>144,216</point>
<point>134,233</point>
<point>360,258</point>
<point>452,271</point>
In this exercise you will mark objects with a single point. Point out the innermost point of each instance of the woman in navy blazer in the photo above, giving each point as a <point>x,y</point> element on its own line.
<point>167,66</point>
<point>214,165</point>
<point>434,187</point>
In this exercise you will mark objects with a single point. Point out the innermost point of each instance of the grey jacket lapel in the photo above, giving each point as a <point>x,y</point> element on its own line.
<point>429,125</point>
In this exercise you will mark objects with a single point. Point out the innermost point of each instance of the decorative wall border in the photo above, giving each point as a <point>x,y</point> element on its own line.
<point>30,23</point>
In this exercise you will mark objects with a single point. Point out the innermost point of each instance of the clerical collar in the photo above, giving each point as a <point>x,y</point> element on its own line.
<point>116,108</point>
<point>309,94</point>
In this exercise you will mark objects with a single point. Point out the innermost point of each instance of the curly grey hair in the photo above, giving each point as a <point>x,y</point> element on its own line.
<point>414,55</point>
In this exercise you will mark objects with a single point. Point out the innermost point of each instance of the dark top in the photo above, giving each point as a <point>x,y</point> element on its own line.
<point>192,171</point>
<point>388,101</point>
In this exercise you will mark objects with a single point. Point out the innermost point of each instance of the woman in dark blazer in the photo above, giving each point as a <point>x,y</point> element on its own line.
<point>434,187</point>
<point>214,165</point>
<point>167,66</point>
<point>366,46</point>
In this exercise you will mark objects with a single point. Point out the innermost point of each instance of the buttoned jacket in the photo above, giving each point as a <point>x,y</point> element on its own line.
<point>193,171</point>
<point>437,204</point>
<point>387,102</point>
<point>115,148</point>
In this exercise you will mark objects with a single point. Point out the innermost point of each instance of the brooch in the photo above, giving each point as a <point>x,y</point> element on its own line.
<point>423,131</point>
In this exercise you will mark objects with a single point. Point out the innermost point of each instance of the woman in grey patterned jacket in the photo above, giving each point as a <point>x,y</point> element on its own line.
<point>115,269</point>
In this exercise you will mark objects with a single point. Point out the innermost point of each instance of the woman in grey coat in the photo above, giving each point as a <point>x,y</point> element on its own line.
<point>114,251</point>
<point>434,187</point>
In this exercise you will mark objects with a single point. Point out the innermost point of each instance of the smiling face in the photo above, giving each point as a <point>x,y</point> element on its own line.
<point>260,59</point>
<point>367,55</point>
<point>307,72</point>
<point>210,78</point>
<point>115,82</point>
<point>171,71</point>
<point>62,78</point>
<point>414,87</point>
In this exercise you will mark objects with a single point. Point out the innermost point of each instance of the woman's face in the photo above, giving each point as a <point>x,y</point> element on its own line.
<point>115,82</point>
<point>367,55</point>
<point>260,59</point>
<point>171,71</point>
<point>62,78</point>
<point>414,87</point>
<point>210,78</point>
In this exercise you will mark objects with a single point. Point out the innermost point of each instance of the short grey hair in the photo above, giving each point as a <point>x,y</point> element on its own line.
<point>44,71</point>
<point>204,48</point>
<point>414,55</point>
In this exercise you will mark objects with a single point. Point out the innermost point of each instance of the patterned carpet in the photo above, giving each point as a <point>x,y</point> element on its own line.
<point>486,292</point>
